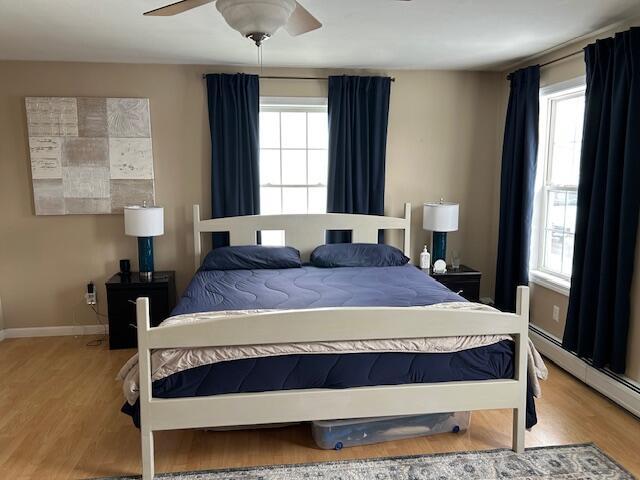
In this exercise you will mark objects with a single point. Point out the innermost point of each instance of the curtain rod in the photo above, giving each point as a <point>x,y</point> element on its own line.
<point>564,57</point>
<point>204,75</point>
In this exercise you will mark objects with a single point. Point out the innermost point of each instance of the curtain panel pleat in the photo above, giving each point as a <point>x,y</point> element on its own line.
<point>234,109</point>
<point>358,110</point>
<point>608,204</point>
<point>517,180</point>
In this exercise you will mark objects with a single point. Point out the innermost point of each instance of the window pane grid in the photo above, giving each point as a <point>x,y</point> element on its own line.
<point>297,149</point>
<point>564,138</point>
<point>565,256</point>
<point>306,154</point>
<point>280,145</point>
<point>293,185</point>
<point>561,139</point>
<point>554,256</point>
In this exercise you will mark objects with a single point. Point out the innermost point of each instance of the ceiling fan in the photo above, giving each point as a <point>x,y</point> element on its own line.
<point>254,19</point>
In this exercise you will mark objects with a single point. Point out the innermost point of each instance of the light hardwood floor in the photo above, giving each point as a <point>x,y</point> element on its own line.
<point>59,418</point>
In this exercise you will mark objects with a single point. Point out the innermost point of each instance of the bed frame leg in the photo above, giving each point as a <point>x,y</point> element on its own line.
<point>144,366</point>
<point>147,455</point>
<point>522,344</point>
<point>518,429</point>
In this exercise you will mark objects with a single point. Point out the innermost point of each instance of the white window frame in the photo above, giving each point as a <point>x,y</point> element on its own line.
<point>294,104</point>
<point>538,274</point>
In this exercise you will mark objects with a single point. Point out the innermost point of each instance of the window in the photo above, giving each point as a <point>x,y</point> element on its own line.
<point>293,158</point>
<point>561,119</point>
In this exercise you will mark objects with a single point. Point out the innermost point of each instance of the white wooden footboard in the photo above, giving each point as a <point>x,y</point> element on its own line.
<point>331,324</point>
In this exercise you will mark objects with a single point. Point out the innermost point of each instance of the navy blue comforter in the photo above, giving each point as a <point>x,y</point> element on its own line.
<point>312,287</point>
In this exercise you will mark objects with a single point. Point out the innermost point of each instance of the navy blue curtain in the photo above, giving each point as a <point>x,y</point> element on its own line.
<point>358,113</point>
<point>608,203</point>
<point>519,154</point>
<point>234,109</point>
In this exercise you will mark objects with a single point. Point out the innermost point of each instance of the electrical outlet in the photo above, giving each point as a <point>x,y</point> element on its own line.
<point>90,296</point>
<point>556,313</point>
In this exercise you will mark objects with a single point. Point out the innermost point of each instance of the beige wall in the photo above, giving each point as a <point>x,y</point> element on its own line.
<point>542,302</point>
<point>442,141</point>
<point>543,299</point>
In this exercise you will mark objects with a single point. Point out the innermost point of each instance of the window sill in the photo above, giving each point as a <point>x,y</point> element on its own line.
<point>549,281</point>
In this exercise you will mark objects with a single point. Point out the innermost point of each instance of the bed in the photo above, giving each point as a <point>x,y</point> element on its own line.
<point>278,313</point>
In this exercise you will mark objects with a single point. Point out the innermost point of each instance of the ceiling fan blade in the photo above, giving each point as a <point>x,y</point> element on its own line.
<point>175,8</point>
<point>301,21</point>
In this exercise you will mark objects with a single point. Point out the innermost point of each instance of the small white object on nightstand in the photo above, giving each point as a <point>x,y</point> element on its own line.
<point>425,260</point>
<point>440,266</point>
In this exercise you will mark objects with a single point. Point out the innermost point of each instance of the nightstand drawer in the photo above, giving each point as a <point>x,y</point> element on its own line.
<point>122,303</point>
<point>123,332</point>
<point>469,289</point>
<point>464,281</point>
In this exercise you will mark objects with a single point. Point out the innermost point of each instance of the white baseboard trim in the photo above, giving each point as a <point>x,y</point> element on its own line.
<point>624,392</point>
<point>61,331</point>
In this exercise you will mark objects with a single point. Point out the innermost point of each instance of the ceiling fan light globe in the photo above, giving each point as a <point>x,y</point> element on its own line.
<point>251,16</point>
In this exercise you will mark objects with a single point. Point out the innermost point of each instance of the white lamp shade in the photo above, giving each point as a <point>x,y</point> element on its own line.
<point>256,16</point>
<point>440,216</point>
<point>143,221</point>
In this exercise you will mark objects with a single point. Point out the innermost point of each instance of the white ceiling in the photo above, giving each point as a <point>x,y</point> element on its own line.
<point>437,34</point>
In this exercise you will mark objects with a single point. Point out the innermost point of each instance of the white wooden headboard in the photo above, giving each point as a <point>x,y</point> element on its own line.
<point>304,232</point>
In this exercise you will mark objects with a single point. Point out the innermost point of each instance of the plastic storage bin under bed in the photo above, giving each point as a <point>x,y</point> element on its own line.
<point>335,434</point>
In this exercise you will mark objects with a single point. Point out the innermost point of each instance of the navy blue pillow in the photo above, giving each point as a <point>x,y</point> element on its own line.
<point>251,257</point>
<point>357,255</point>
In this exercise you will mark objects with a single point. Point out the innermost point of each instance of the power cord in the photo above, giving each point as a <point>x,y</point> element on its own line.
<point>100,340</point>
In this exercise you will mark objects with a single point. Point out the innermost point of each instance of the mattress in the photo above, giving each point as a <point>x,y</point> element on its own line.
<point>312,287</point>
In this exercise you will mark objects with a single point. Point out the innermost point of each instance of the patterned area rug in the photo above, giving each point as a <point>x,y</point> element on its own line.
<point>572,462</point>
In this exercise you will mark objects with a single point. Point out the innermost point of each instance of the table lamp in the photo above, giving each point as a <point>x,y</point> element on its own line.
<point>440,217</point>
<point>145,223</point>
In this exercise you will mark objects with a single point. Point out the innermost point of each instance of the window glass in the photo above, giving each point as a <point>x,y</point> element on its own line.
<point>270,167</point>
<point>317,200</point>
<point>294,134</point>
<point>294,167</point>
<point>318,130</point>
<point>269,130</point>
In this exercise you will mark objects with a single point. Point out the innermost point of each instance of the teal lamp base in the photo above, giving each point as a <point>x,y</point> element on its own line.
<point>145,258</point>
<point>439,248</point>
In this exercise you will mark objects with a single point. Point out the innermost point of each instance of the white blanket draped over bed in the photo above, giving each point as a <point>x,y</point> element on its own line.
<point>165,362</point>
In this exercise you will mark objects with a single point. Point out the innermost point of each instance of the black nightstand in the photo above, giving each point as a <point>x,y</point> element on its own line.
<point>122,293</point>
<point>464,281</point>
